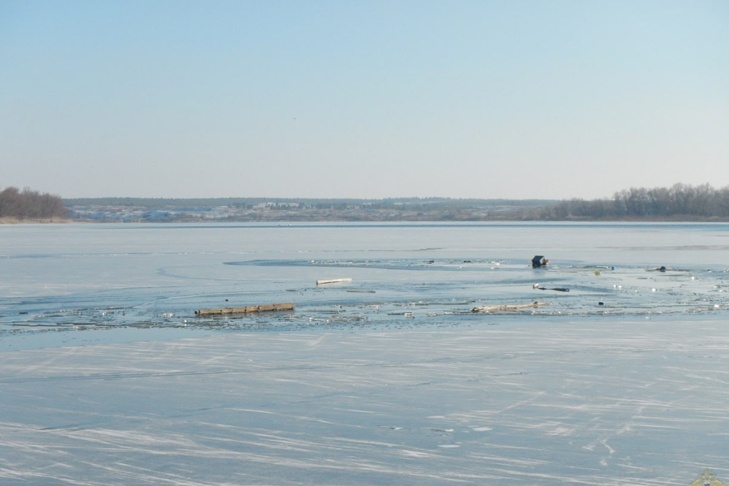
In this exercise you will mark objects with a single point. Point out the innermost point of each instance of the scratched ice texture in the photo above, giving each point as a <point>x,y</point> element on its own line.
<point>619,376</point>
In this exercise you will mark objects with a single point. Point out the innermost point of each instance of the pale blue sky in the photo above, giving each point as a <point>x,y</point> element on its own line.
<point>364,99</point>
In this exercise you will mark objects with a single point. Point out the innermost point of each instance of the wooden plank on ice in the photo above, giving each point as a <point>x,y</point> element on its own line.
<point>333,281</point>
<point>507,308</point>
<point>245,310</point>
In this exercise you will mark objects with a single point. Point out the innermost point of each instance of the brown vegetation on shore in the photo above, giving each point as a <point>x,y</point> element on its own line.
<point>31,206</point>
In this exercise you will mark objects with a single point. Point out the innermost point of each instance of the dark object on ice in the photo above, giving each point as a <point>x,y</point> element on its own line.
<point>539,261</point>
<point>662,269</point>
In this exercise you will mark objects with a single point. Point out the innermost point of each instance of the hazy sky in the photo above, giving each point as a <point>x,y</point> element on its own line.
<point>364,99</point>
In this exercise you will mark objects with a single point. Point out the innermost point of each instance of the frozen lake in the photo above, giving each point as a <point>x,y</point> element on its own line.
<point>619,376</point>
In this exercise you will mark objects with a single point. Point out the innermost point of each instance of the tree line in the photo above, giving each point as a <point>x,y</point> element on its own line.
<point>29,204</point>
<point>679,202</point>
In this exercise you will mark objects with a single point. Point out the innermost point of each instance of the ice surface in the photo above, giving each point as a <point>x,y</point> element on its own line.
<point>584,401</point>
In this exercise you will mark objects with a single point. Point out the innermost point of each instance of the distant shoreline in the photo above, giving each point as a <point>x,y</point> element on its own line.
<point>679,203</point>
<point>17,221</point>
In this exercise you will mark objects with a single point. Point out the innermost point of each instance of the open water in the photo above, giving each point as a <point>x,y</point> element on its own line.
<point>620,374</point>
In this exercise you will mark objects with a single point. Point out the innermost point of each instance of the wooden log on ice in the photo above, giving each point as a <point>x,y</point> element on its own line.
<point>245,310</point>
<point>333,281</point>
<point>556,289</point>
<point>508,308</point>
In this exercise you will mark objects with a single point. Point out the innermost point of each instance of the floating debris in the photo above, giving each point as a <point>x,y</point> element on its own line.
<point>333,281</point>
<point>245,310</point>
<point>556,289</point>
<point>507,307</point>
